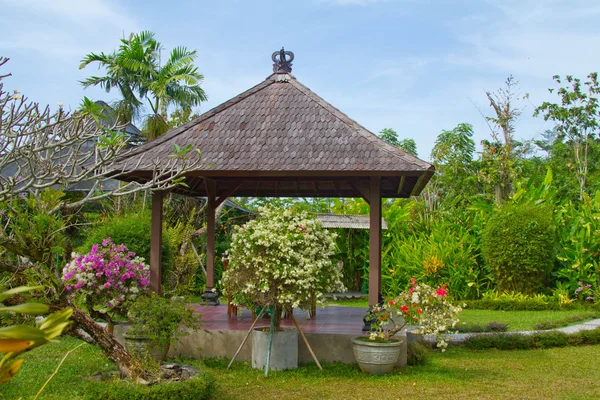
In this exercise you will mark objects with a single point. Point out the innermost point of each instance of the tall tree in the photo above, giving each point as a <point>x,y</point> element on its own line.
<point>41,155</point>
<point>136,69</point>
<point>452,156</point>
<point>501,155</point>
<point>390,136</point>
<point>576,119</point>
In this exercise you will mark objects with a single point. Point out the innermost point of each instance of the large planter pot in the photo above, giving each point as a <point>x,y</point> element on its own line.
<point>141,346</point>
<point>376,358</point>
<point>284,350</point>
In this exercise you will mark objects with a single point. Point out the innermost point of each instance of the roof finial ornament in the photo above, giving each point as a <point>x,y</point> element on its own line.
<point>281,65</point>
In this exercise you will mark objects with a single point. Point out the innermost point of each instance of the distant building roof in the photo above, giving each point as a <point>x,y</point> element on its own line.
<point>347,221</point>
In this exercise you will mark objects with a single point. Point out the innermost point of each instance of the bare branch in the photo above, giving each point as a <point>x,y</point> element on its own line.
<point>40,149</point>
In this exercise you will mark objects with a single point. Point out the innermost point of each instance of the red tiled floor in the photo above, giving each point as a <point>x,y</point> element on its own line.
<point>346,320</point>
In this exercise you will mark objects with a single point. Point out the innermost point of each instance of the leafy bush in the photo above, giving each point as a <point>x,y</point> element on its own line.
<point>518,246</point>
<point>579,237</point>
<point>418,353</point>
<point>491,327</point>
<point>158,318</point>
<point>197,388</point>
<point>134,231</point>
<point>446,253</point>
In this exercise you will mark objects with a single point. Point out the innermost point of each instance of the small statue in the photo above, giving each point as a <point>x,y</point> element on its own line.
<point>281,63</point>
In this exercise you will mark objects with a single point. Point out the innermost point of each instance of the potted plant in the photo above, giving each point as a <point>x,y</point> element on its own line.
<point>156,322</point>
<point>106,280</point>
<point>421,305</point>
<point>280,261</point>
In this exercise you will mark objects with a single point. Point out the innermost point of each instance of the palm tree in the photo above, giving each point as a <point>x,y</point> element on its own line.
<point>176,83</point>
<point>136,71</point>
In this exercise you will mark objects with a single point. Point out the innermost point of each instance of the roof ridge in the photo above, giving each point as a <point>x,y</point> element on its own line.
<point>361,130</point>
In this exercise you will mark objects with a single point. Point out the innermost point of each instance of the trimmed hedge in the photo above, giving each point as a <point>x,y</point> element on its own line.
<point>491,327</point>
<point>524,305</point>
<point>519,247</point>
<point>197,388</point>
<point>543,340</point>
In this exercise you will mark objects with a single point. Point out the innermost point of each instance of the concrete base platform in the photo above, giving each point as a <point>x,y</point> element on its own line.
<point>328,334</point>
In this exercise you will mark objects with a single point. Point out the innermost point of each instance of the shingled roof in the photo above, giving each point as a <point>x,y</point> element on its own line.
<point>281,139</point>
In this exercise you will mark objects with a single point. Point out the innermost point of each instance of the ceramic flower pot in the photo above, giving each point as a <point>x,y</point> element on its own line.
<point>141,345</point>
<point>284,350</point>
<point>376,358</point>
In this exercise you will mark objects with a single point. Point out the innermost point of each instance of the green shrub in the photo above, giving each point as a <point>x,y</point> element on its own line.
<point>491,327</point>
<point>197,388</point>
<point>564,322</point>
<point>519,247</point>
<point>418,353</point>
<point>542,340</point>
<point>548,340</point>
<point>134,231</point>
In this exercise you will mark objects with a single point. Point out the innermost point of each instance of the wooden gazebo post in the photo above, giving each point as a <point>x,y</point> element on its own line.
<point>211,298</point>
<point>156,241</point>
<point>375,241</point>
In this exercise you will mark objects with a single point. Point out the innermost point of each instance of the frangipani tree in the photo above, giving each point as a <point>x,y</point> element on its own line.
<point>282,259</point>
<point>44,153</point>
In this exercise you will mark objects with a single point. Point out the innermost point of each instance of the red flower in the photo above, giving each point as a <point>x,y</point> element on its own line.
<point>413,281</point>
<point>419,311</point>
<point>441,292</point>
<point>404,308</point>
<point>391,302</point>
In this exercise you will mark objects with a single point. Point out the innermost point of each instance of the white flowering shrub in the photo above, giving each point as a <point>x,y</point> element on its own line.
<point>281,259</point>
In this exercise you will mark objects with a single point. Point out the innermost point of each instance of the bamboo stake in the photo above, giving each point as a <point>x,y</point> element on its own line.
<point>246,337</point>
<point>306,342</point>
<point>271,332</point>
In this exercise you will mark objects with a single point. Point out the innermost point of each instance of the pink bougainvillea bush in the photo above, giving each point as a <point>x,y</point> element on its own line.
<point>108,278</point>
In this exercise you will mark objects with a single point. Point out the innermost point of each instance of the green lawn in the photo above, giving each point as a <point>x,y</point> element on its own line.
<point>562,373</point>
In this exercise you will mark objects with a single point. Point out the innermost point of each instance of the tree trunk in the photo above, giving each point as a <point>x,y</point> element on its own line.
<point>107,342</point>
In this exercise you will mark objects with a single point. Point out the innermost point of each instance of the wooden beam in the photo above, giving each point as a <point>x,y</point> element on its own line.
<point>228,192</point>
<point>156,242</point>
<point>401,185</point>
<point>421,182</point>
<point>210,246</point>
<point>362,190</point>
<point>211,187</point>
<point>375,240</point>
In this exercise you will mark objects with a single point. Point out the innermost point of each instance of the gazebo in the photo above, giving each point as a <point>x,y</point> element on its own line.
<point>280,139</point>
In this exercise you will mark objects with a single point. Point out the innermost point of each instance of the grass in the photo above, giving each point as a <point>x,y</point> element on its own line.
<point>39,364</point>
<point>361,303</point>
<point>562,373</point>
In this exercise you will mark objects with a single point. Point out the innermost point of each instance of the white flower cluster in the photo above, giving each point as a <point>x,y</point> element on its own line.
<point>282,258</point>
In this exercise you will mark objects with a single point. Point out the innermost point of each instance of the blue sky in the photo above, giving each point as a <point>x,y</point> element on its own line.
<point>417,66</point>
